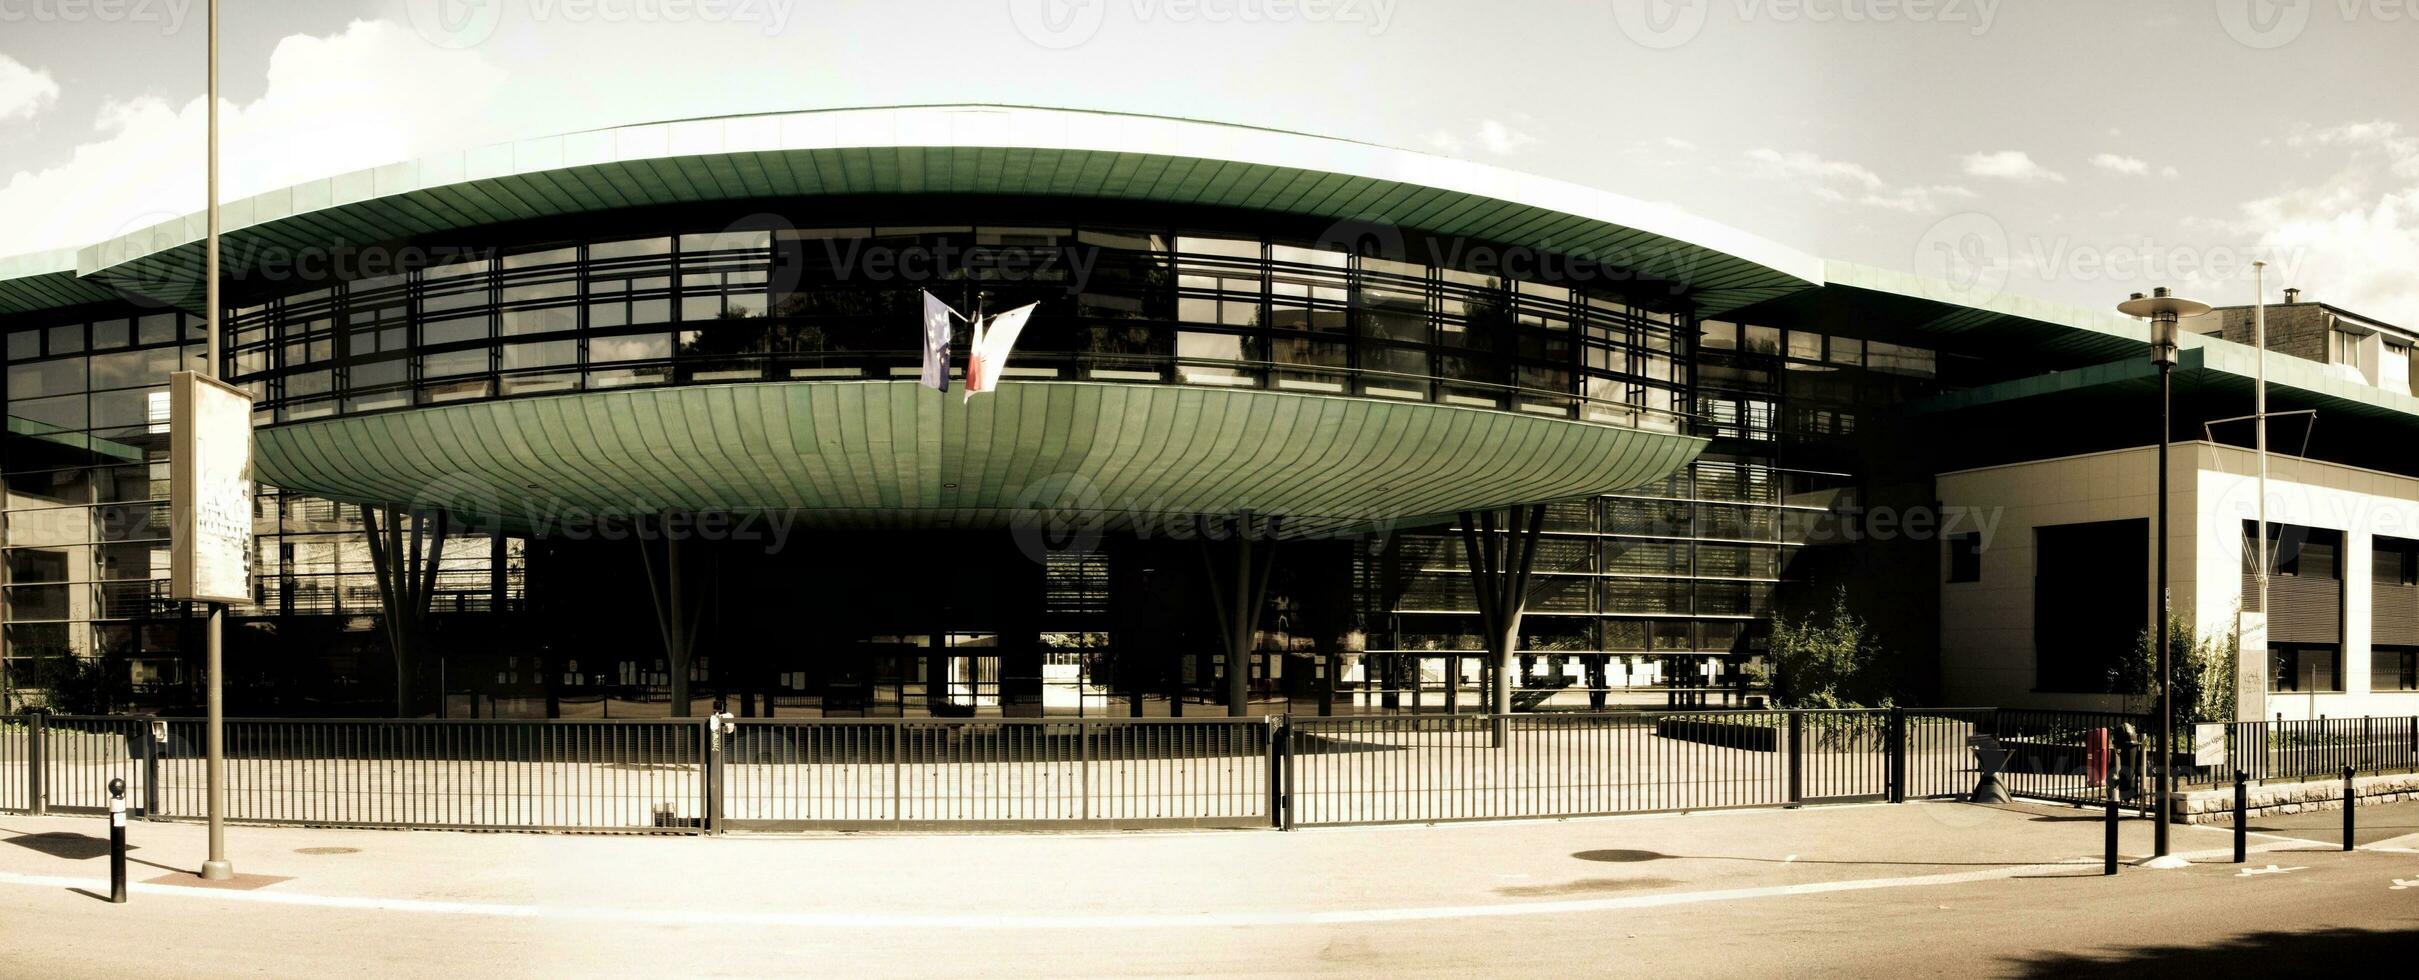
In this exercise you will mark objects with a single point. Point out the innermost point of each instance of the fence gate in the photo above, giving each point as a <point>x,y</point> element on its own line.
<point>1839,756</point>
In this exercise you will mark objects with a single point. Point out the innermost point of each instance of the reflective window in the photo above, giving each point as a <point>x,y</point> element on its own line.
<point>1117,304</point>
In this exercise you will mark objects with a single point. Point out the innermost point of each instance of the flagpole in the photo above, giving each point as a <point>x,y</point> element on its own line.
<point>2259,423</point>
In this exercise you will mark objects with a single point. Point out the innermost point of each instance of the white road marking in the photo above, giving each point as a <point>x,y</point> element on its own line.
<point>2400,884</point>
<point>2405,844</point>
<point>2269,870</point>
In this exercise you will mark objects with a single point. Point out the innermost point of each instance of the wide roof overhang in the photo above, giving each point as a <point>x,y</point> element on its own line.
<point>959,150</point>
<point>1973,317</point>
<point>2209,364</point>
<point>46,281</point>
<point>894,454</point>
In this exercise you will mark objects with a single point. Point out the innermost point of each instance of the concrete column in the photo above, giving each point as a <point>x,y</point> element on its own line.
<point>1239,633</point>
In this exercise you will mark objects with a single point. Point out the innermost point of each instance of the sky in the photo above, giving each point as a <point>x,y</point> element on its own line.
<point>2069,150</point>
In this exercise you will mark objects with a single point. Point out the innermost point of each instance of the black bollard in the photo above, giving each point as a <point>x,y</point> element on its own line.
<point>2242,816</point>
<point>117,841</point>
<point>2109,866</point>
<point>2348,800</point>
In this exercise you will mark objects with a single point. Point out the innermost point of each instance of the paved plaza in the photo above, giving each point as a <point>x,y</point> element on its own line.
<point>1927,889</point>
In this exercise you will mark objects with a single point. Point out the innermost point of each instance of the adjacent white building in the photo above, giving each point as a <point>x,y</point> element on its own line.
<point>2053,575</point>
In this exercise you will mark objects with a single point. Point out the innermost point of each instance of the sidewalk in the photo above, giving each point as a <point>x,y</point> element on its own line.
<point>967,879</point>
<point>1928,889</point>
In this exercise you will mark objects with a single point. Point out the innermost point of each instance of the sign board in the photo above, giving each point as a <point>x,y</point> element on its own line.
<point>209,490</point>
<point>1988,756</point>
<point>2209,744</point>
<point>2251,666</point>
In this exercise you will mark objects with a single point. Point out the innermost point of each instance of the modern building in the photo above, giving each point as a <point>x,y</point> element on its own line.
<point>614,421</point>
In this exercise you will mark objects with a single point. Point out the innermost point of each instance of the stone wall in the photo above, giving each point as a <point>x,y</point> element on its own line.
<point>2217,805</point>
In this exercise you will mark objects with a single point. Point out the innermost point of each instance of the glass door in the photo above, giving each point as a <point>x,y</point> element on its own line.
<point>966,682</point>
<point>876,678</point>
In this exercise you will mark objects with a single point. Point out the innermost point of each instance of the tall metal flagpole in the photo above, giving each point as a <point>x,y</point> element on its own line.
<point>217,867</point>
<point>2259,422</point>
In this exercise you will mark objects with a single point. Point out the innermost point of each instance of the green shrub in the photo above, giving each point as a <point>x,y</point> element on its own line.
<point>2204,673</point>
<point>1828,659</point>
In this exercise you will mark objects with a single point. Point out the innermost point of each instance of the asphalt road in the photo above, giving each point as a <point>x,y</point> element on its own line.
<point>1924,890</point>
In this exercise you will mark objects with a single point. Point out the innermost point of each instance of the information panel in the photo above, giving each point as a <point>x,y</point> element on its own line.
<point>209,490</point>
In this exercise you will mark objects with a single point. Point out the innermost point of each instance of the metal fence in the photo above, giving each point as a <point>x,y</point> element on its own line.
<point>680,776</point>
<point>2286,751</point>
<point>1423,768</point>
<point>2048,752</point>
<point>781,774</point>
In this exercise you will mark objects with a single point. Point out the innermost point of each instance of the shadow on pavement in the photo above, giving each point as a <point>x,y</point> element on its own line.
<point>70,846</point>
<point>1633,857</point>
<point>64,845</point>
<point>2263,954</point>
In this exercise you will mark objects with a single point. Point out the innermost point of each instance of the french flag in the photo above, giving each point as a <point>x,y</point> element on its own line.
<point>993,338</point>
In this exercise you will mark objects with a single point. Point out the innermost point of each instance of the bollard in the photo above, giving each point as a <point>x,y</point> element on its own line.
<point>2348,801</point>
<point>117,841</point>
<point>2109,865</point>
<point>2242,816</point>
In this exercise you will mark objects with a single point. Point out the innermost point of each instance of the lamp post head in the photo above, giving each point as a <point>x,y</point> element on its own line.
<point>2164,311</point>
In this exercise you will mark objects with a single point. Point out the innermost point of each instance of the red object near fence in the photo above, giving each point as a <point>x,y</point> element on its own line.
<point>2095,756</point>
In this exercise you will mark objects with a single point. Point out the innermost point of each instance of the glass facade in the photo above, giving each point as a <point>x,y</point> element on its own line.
<point>1661,593</point>
<point>1118,304</point>
<point>86,517</point>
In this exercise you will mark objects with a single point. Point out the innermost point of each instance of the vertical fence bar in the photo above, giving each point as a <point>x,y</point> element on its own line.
<point>1797,758</point>
<point>1896,750</point>
<point>151,767</point>
<point>36,759</point>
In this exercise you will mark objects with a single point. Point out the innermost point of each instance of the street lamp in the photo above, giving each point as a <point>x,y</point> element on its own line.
<point>2164,312</point>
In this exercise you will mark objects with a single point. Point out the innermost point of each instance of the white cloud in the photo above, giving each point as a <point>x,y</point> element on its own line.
<point>370,95</point>
<point>1916,200</point>
<point>2118,164</point>
<point>2352,239</point>
<point>1500,139</point>
<point>1800,164</point>
<point>1678,144</point>
<point>1846,182</point>
<point>1493,136</point>
<point>2015,165</point>
<point>24,91</point>
<point>2400,151</point>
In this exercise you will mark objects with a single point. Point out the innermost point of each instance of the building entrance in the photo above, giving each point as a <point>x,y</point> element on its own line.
<point>912,675</point>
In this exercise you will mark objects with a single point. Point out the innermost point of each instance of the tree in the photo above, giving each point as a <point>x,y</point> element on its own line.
<point>82,685</point>
<point>2204,673</point>
<point>1828,659</point>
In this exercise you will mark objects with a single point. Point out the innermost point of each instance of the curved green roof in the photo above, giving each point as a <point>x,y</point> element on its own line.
<point>893,454</point>
<point>959,150</point>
